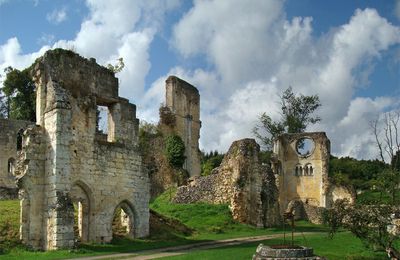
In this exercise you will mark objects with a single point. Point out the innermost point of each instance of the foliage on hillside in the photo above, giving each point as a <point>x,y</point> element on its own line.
<point>209,161</point>
<point>362,174</point>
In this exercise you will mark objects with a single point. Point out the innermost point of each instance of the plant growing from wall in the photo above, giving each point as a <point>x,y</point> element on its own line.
<point>297,113</point>
<point>175,151</point>
<point>117,67</point>
<point>167,117</point>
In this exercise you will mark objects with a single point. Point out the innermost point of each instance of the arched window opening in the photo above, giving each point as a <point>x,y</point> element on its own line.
<point>81,204</point>
<point>308,169</point>
<point>122,223</point>
<point>19,140</point>
<point>298,170</point>
<point>11,166</point>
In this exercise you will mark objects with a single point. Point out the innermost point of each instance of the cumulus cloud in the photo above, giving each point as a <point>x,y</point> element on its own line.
<point>11,55</point>
<point>253,52</point>
<point>112,29</point>
<point>57,16</point>
<point>257,53</point>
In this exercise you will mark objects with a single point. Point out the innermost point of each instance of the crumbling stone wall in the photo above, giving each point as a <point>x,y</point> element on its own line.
<point>181,116</point>
<point>302,179</point>
<point>10,142</point>
<point>67,163</point>
<point>240,181</point>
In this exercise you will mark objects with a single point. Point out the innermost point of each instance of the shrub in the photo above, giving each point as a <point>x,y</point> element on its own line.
<point>175,151</point>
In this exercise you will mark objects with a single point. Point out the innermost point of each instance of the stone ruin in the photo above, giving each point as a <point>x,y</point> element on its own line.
<point>242,182</point>
<point>67,164</point>
<point>11,132</point>
<point>181,116</point>
<point>301,165</point>
<point>259,195</point>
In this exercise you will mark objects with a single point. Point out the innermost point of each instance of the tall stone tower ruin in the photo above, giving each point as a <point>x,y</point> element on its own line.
<point>183,101</point>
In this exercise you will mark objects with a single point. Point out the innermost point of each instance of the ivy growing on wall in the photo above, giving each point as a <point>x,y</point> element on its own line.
<point>175,151</point>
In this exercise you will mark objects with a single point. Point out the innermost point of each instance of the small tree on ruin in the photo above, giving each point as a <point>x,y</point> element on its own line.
<point>297,113</point>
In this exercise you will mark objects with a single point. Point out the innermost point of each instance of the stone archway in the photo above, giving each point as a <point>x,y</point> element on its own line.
<point>81,198</point>
<point>123,223</point>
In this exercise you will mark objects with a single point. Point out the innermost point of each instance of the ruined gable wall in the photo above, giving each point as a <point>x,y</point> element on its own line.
<point>183,100</point>
<point>8,149</point>
<point>241,182</point>
<point>312,188</point>
<point>79,165</point>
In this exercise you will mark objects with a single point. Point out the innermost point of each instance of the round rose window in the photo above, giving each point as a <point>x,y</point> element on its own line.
<point>305,147</point>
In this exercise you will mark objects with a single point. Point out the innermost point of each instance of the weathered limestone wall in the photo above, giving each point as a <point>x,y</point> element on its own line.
<point>336,192</point>
<point>294,181</point>
<point>303,180</point>
<point>9,132</point>
<point>183,100</point>
<point>240,181</point>
<point>66,163</point>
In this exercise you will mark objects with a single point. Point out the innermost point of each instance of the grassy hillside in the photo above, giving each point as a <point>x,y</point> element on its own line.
<point>177,224</point>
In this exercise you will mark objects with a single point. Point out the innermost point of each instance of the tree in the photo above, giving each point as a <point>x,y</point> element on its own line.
<point>19,95</point>
<point>210,161</point>
<point>385,130</point>
<point>297,114</point>
<point>373,224</point>
<point>386,134</point>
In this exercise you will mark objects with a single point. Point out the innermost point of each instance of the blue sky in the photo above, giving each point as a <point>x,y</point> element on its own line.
<point>240,54</point>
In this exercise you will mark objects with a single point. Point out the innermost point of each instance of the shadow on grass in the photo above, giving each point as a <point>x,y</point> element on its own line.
<point>300,226</point>
<point>126,245</point>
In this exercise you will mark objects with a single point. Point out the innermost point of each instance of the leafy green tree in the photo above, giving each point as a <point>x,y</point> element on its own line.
<point>175,151</point>
<point>19,95</point>
<point>373,224</point>
<point>297,114</point>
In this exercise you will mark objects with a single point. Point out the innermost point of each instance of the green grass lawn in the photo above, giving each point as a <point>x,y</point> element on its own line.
<point>343,246</point>
<point>209,222</point>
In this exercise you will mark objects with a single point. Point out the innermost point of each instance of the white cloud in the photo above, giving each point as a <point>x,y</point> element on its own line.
<point>3,2</point>
<point>254,52</point>
<point>11,55</point>
<point>251,43</point>
<point>57,16</point>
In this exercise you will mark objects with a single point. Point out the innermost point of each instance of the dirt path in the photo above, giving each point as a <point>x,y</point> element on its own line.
<point>179,250</point>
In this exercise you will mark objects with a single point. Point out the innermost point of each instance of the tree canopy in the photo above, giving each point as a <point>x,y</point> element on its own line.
<point>297,113</point>
<point>18,100</point>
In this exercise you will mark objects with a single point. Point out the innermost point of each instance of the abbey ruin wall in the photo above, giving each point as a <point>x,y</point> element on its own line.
<point>67,163</point>
<point>183,101</point>
<point>302,176</point>
<point>241,182</point>
<point>10,143</point>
